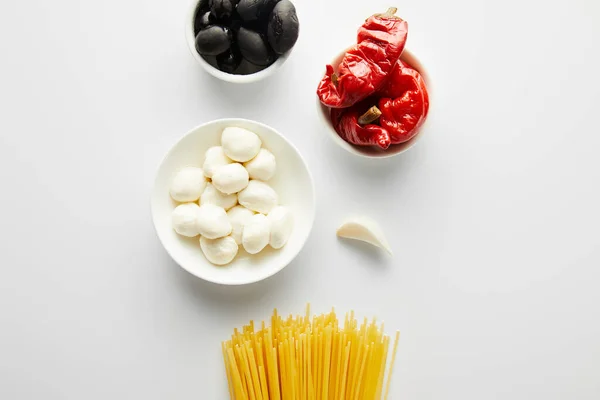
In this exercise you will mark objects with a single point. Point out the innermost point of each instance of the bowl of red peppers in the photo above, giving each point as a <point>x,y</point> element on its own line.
<point>374,95</point>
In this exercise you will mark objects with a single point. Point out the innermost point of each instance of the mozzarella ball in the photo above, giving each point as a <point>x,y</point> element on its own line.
<point>238,216</point>
<point>188,184</point>
<point>256,233</point>
<point>258,196</point>
<point>230,178</point>
<point>213,159</point>
<point>219,251</point>
<point>212,221</point>
<point>184,218</point>
<point>281,222</point>
<point>262,166</point>
<point>213,196</point>
<point>240,144</point>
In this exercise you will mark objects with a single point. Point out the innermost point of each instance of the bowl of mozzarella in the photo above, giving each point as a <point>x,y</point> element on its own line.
<point>233,202</point>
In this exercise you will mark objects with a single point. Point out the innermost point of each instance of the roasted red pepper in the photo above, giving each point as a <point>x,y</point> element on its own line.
<point>404,103</point>
<point>363,70</point>
<point>353,125</point>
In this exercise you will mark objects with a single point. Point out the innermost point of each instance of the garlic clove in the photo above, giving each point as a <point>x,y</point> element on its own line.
<point>364,229</point>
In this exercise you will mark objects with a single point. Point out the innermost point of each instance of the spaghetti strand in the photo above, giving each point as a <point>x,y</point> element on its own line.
<point>299,357</point>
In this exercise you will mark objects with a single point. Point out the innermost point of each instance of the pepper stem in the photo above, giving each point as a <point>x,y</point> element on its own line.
<point>389,13</point>
<point>334,79</point>
<point>371,115</point>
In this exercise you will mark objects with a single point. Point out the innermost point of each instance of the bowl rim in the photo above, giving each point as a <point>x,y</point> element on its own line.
<point>285,261</point>
<point>358,150</point>
<point>224,76</point>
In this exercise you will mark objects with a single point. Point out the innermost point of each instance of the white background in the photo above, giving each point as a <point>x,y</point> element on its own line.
<point>494,217</point>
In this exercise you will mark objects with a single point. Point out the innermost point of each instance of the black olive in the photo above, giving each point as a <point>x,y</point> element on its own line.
<point>250,68</point>
<point>230,34</point>
<point>236,22</point>
<point>256,26</point>
<point>230,60</point>
<point>206,20</point>
<point>213,40</point>
<point>254,47</point>
<point>221,9</point>
<point>254,10</point>
<point>283,27</point>
<point>201,9</point>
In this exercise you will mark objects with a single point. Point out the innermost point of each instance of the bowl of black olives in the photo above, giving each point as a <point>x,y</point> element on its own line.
<point>242,41</point>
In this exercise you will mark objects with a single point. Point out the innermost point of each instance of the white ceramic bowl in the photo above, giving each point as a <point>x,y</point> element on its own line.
<point>372,151</point>
<point>292,182</point>
<point>224,76</point>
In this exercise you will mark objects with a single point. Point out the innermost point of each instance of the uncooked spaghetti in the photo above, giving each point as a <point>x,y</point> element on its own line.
<point>298,358</point>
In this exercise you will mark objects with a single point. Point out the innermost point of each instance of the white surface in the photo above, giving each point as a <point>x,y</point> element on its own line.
<point>292,182</point>
<point>494,282</point>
